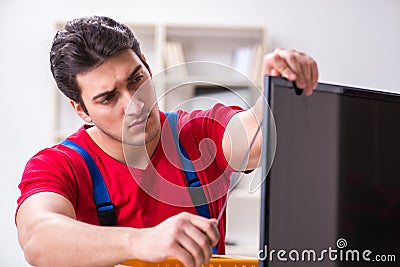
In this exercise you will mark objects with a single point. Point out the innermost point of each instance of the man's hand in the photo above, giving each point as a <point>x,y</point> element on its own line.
<point>185,236</point>
<point>294,66</point>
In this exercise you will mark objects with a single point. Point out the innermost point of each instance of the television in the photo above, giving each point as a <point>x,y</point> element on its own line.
<point>332,194</point>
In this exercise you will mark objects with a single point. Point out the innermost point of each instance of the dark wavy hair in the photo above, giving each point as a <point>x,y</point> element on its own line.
<point>84,44</point>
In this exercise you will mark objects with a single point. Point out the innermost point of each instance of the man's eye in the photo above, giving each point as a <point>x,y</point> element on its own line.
<point>133,83</point>
<point>135,80</point>
<point>107,99</point>
<point>139,77</point>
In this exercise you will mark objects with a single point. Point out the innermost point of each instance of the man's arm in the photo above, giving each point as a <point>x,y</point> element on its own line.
<point>50,235</point>
<point>294,66</point>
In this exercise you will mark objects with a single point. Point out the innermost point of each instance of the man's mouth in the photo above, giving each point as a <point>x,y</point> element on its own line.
<point>138,123</point>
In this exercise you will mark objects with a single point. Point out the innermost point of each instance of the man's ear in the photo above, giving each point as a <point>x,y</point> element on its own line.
<point>148,67</point>
<point>79,110</point>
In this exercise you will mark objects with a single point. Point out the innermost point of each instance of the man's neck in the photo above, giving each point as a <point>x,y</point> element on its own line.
<point>139,156</point>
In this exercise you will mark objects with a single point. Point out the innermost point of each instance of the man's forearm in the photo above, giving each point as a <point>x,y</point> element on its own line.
<point>62,241</point>
<point>50,235</point>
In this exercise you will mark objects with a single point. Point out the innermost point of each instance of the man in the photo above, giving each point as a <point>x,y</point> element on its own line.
<point>98,64</point>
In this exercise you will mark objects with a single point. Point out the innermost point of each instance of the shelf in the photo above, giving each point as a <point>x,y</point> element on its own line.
<point>147,35</point>
<point>217,44</point>
<point>254,34</point>
<point>206,80</point>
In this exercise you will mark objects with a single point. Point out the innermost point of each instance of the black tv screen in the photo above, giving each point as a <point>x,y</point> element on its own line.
<point>332,195</point>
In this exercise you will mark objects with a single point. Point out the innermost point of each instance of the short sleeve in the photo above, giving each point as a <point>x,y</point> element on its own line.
<point>210,125</point>
<point>50,170</point>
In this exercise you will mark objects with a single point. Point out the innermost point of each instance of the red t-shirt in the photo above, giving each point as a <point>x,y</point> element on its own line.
<point>140,197</point>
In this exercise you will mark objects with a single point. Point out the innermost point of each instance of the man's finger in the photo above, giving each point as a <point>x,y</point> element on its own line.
<point>275,65</point>
<point>191,245</point>
<point>306,72</point>
<point>208,226</point>
<point>280,65</point>
<point>314,74</point>
<point>183,256</point>
<point>311,74</point>
<point>201,241</point>
<point>293,60</point>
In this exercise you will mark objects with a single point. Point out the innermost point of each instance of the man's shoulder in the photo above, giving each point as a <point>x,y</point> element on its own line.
<point>58,153</point>
<point>219,113</point>
<point>53,169</point>
<point>217,110</point>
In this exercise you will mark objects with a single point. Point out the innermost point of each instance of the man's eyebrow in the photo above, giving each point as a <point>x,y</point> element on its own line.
<point>133,73</point>
<point>104,94</point>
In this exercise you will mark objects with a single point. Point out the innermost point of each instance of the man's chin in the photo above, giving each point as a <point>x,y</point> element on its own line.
<point>134,141</point>
<point>143,135</point>
<point>138,139</point>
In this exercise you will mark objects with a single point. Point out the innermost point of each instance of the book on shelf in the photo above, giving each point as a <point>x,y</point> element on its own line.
<point>174,60</point>
<point>248,61</point>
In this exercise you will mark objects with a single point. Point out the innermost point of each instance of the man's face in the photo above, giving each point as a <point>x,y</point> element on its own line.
<point>120,99</point>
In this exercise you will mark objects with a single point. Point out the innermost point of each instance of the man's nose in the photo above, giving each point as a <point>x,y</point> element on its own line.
<point>132,105</point>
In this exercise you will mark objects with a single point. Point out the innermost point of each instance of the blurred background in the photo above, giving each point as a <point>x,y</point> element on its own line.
<point>355,42</point>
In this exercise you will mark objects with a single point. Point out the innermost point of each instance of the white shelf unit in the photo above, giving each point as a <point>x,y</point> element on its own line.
<point>215,46</point>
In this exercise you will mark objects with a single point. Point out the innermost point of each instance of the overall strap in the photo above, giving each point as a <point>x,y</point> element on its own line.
<point>105,208</point>
<point>195,190</point>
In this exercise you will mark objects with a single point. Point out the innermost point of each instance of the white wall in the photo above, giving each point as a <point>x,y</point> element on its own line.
<point>355,42</point>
